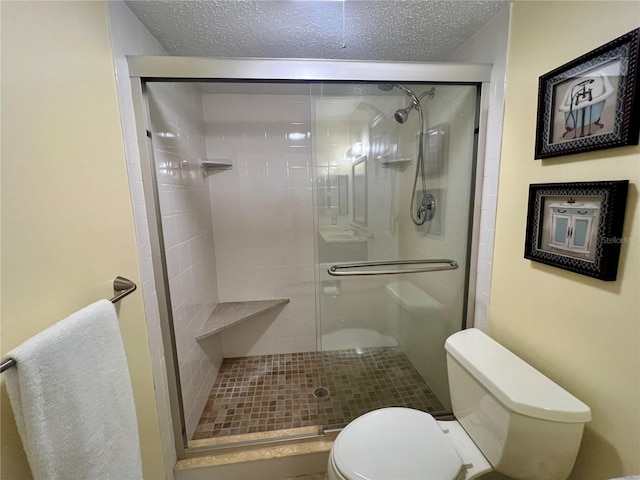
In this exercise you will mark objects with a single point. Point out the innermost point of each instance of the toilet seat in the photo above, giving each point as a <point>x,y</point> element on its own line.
<point>396,443</point>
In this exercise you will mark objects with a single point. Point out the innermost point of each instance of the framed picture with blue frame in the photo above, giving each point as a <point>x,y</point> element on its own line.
<point>592,102</point>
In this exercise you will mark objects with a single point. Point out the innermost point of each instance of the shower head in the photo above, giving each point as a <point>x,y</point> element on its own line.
<point>402,114</point>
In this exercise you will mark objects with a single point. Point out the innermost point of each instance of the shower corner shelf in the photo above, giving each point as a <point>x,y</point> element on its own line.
<point>393,162</point>
<point>228,314</point>
<point>216,164</point>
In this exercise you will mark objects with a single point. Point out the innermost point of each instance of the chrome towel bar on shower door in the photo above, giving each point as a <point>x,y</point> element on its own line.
<point>352,269</point>
<point>120,284</point>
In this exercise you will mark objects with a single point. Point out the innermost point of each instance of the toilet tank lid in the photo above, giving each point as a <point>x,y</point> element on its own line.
<point>515,383</point>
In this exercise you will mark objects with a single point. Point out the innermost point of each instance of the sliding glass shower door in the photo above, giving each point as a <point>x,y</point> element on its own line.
<point>393,182</point>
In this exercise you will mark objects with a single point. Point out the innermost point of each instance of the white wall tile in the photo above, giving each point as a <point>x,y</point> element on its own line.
<point>130,37</point>
<point>262,213</point>
<point>489,45</point>
<point>180,110</point>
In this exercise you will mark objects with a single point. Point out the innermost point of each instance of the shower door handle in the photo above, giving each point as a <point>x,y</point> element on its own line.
<point>356,269</point>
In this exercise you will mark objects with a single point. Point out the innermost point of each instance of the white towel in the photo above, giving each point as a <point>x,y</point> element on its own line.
<point>72,399</point>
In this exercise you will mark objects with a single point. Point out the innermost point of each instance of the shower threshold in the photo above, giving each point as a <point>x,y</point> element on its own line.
<point>270,397</point>
<point>267,437</point>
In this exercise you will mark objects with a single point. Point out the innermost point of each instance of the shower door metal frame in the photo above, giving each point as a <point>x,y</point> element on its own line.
<point>144,69</point>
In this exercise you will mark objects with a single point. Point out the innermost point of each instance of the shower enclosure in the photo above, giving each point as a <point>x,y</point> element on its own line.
<point>312,232</point>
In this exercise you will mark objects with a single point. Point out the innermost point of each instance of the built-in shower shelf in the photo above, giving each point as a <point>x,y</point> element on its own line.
<point>394,162</point>
<point>228,314</point>
<point>213,164</point>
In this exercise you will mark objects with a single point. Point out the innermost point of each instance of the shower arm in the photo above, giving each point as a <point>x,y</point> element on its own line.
<point>415,101</point>
<point>408,92</point>
<point>431,92</point>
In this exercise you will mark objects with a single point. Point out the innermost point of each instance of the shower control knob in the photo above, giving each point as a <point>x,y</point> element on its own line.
<point>428,206</point>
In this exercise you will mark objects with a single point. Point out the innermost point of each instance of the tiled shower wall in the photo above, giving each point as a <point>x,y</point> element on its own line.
<point>263,216</point>
<point>178,144</point>
<point>489,45</point>
<point>130,37</point>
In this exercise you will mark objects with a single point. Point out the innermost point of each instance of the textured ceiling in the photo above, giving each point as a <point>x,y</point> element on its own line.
<point>402,30</point>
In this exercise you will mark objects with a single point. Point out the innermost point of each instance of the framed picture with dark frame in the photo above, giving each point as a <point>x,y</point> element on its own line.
<point>577,226</point>
<point>592,102</point>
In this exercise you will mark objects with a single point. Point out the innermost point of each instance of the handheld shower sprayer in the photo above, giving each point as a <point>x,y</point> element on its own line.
<point>424,210</point>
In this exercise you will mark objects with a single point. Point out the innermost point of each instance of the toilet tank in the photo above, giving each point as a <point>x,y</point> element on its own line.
<point>526,425</point>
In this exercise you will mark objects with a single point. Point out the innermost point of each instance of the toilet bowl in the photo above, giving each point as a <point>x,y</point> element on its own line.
<point>511,422</point>
<point>399,443</point>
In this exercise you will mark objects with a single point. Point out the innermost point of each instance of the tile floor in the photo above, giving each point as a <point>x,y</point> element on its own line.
<point>274,392</point>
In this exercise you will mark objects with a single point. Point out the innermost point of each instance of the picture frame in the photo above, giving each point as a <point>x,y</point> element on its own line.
<point>592,102</point>
<point>577,226</point>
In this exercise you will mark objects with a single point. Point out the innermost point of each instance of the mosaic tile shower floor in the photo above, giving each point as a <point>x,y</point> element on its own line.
<point>274,392</point>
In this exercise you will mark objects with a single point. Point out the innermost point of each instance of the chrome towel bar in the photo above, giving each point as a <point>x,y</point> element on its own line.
<point>352,269</point>
<point>124,286</point>
<point>120,284</point>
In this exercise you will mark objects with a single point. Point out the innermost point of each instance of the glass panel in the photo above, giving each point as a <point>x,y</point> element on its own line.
<point>233,168</point>
<point>561,229</point>
<point>580,232</point>
<point>315,180</point>
<point>381,338</point>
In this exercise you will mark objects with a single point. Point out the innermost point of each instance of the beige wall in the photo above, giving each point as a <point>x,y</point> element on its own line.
<point>66,214</point>
<point>583,333</point>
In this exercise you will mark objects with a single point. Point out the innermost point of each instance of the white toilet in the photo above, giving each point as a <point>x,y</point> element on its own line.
<point>511,420</point>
